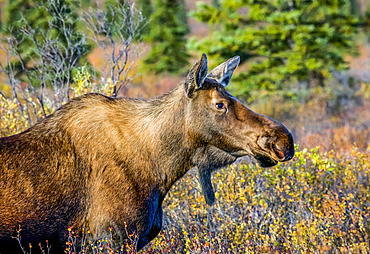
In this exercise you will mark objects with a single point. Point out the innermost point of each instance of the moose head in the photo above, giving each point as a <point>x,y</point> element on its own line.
<point>227,127</point>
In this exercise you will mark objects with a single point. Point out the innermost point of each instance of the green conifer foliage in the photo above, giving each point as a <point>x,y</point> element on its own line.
<point>167,38</point>
<point>281,40</point>
<point>145,6</point>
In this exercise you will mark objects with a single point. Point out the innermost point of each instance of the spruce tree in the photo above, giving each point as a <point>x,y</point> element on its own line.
<point>146,8</point>
<point>167,37</point>
<point>282,41</point>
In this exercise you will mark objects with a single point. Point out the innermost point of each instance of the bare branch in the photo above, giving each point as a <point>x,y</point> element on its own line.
<point>55,52</point>
<point>114,30</point>
<point>8,70</point>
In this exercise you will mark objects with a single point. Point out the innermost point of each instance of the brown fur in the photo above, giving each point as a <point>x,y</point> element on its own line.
<point>99,162</point>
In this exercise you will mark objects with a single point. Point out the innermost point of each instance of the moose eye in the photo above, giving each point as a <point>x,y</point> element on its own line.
<point>220,105</point>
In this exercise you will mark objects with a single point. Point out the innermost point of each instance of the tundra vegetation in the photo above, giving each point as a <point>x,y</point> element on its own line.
<point>317,203</point>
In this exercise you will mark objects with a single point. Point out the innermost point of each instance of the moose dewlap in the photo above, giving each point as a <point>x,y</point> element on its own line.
<point>99,162</point>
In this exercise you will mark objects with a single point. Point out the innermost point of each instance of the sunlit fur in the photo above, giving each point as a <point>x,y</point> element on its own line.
<point>99,162</point>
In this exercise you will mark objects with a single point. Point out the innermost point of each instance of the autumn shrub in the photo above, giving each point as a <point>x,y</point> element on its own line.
<point>84,242</point>
<point>318,203</point>
<point>12,119</point>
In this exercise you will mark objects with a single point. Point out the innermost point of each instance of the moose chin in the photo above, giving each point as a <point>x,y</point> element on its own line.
<point>101,162</point>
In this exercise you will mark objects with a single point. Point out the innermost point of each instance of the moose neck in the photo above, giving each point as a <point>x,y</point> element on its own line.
<point>160,124</point>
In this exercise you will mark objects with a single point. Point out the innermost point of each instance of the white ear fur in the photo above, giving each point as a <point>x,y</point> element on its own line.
<point>223,73</point>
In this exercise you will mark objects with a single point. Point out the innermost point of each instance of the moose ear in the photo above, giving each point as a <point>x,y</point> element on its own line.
<point>196,76</point>
<point>223,73</point>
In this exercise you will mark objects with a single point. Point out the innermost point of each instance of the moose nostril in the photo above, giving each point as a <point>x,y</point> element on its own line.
<point>279,153</point>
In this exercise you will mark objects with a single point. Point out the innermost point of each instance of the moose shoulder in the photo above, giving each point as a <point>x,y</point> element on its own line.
<point>99,162</point>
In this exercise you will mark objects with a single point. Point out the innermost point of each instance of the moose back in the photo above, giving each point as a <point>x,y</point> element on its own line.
<point>99,162</point>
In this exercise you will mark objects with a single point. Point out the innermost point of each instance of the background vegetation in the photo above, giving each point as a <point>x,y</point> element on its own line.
<point>304,63</point>
<point>282,41</point>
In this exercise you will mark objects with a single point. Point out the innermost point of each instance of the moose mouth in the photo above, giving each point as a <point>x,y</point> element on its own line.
<point>266,160</point>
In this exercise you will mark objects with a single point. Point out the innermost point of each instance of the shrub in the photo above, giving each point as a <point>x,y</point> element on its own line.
<point>317,203</point>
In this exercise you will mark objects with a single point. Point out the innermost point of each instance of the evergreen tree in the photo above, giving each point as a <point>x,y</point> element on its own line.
<point>182,15</point>
<point>167,37</point>
<point>146,9</point>
<point>282,40</point>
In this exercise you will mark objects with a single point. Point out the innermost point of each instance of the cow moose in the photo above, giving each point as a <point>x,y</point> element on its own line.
<point>100,162</point>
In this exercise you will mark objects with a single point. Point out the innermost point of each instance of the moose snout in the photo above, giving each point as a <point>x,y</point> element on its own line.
<point>277,147</point>
<point>283,151</point>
